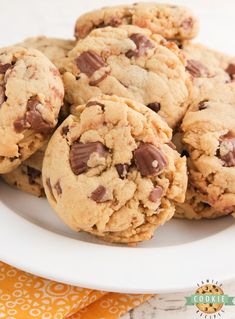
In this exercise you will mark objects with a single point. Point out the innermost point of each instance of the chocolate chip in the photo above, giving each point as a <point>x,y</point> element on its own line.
<point>155,194</point>
<point>142,45</point>
<point>80,153</point>
<point>88,62</point>
<point>202,105</point>
<point>91,103</point>
<point>65,130</point>
<point>58,188</point>
<point>149,159</point>
<point>4,67</point>
<point>155,106</point>
<point>227,151</point>
<point>32,173</point>
<point>98,194</point>
<point>197,69</point>
<point>32,119</point>
<point>122,170</point>
<point>231,69</point>
<point>19,125</point>
<point>2,95</point>
<point>187,24</point>
<point>35,119</point>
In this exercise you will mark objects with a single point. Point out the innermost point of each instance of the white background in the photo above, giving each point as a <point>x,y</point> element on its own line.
<point>24,18</point>
<point>55,18</point>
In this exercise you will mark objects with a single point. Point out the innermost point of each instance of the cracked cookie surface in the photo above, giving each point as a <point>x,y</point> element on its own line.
<point>31,94</point>
<point>109,170</point>
<point>171,21</point>
<point>130,62</point>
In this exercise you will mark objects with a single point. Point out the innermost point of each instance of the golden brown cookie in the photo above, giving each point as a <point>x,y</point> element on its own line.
<point>131,62</point>
<point>28,176</point>
<point>171,21</point>
<point>109,170</point>
<point>31,95</point>
<point>208,135</point>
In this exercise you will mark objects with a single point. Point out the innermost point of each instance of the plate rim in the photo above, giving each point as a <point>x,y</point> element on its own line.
<point>56,269</point>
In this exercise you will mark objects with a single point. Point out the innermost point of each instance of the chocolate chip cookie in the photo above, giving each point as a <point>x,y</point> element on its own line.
<point>209,138</point>
<point>28,176</point>
<point>130,62</point>
<point>171,21</point>
<point>212,85</point>
<point>111,171</point>
<point>31,94</point>
<point>55,49</point>
<point>213,73</point>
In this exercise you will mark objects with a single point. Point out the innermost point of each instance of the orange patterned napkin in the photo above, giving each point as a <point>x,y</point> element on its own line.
<point>25,296</point>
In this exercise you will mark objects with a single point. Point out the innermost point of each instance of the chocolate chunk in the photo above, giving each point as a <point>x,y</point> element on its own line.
<point>89,62</point>
<point>149,159</point>
<point>2,95</point>
<point>19,125</point>
<point>187,24</point>
<point>35,119</point>
<point>231,69</point>
<point>122,170</point>
<point>227,151</point>
<point>202,105</point>
<point>154,106</point>
<point>58,188</point>
<point>197,69</point>
<point>4,67</point>
<point>65,130</point>
<point>32,173</point>
<point>98,194</point>
<point>80,153</point>
<point>142,45</point>
<point>91,103</point>
<point>155,194</point>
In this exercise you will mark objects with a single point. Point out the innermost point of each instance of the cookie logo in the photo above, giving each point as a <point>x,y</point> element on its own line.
<point>209,299</point>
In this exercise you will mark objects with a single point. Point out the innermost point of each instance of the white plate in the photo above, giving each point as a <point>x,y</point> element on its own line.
<point>32,238</point>
<point>181,254</point>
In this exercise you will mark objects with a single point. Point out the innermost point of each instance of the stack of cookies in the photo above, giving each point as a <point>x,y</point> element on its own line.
<point>125,126</point>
